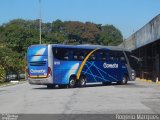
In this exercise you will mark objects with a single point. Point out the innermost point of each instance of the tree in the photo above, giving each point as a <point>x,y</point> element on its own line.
<point>2,74</point>
<point>82,32</point>
<point>19,34</point>
<point>56,33</point>
<point>10,61</point>
<point>110,35</point>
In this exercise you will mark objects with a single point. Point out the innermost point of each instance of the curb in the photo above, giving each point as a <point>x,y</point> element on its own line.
<point>147,81</point>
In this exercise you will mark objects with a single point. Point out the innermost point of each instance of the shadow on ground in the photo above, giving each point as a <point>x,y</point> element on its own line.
<point>129,85</point>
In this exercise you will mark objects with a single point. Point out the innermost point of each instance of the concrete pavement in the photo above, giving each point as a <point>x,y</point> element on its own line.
<point>136,97</point>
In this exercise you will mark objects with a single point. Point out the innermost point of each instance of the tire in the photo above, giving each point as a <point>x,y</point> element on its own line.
<point>50,86</point>
<point>82,82</point>
<point>72,82</point>
<point>124,80</point>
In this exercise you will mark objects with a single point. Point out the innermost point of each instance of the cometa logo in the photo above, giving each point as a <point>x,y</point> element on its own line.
<point>105,65</point>
<point>37,71</point>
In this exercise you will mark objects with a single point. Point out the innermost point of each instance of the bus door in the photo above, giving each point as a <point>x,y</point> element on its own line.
<point>113,66</point>
<point>108,67</point>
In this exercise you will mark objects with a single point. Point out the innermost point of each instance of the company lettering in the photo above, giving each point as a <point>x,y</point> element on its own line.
<point>105,65</point>
<point>37,71</point>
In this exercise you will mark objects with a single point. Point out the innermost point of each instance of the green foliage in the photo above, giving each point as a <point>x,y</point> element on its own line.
<point>10,61</point>
<point>110,35</point>
<point>81,32</point>
<point>2,74</point>
<point>19,34</point>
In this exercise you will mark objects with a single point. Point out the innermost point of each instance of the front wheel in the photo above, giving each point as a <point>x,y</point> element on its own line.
<point>124,80</point>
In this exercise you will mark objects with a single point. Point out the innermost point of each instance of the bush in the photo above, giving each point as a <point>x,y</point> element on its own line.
<point>2,74</point>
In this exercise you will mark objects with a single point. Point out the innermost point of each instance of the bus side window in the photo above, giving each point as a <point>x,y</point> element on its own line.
<point>92,57</point>
<point>62,53</point>
<point>66,56</point>
<point>102,56</point>
<point>112,56</point>
<point>78,55</point>
<point>81,56</point>
<point>75,55</point>
<point>121,57</point>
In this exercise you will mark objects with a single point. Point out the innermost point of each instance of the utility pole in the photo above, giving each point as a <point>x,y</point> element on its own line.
<point>40,22</point>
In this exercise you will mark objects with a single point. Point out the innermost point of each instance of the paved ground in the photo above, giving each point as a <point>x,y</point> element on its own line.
<point>136,97</point>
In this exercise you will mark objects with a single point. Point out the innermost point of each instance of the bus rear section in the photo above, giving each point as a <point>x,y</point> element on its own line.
<point>39,69</point>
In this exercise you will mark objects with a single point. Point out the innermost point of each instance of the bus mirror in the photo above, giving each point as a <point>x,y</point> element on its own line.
<point>136,58</point>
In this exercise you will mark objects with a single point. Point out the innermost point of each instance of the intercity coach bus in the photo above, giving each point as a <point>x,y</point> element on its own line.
<point>76,65</point>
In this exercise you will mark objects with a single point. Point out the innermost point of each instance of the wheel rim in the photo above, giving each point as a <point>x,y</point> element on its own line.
<point>83,82</point>
<point>124,80</point>
<point>72,82</point>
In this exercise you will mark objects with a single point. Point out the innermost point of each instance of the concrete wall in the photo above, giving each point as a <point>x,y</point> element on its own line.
<point>147,34</point>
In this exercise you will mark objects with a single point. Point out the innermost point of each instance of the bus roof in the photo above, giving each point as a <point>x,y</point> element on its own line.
<point>88,46</point>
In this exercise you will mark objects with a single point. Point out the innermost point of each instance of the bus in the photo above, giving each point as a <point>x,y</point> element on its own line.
<point>76,65</point>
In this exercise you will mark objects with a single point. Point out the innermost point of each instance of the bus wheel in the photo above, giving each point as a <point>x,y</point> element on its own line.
<point>82,82</point>
<point>124,80</point>
<point>72,82</point>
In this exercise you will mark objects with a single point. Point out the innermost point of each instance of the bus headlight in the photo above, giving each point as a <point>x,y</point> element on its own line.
<point>133,74</point>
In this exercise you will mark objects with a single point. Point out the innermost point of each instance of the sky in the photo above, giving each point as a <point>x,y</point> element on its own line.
<point>127,15</point>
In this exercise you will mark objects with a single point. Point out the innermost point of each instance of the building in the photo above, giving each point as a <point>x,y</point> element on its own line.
<point>145,44</point>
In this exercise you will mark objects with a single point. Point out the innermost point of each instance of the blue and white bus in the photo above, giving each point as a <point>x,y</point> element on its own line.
<point>76,65</point>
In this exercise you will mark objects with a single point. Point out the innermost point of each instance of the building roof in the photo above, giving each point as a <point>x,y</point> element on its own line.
<point>147,34</point>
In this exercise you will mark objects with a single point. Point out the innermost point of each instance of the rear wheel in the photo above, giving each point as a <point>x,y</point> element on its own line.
<point>82,82</point>
<point>72,82</point>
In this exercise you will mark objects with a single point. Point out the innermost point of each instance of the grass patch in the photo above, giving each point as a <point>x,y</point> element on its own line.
<point>4,83</point>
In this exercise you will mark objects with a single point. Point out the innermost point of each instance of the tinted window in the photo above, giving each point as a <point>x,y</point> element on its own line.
<point>133,60</point>
<point>112,56</point>
<point>70,54</point>
<point>121,57</point>
<point>117,56</point>
<point>78,55</point>
<point>92,57</point>
<point>102,55</point>
<point>62,53</point>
